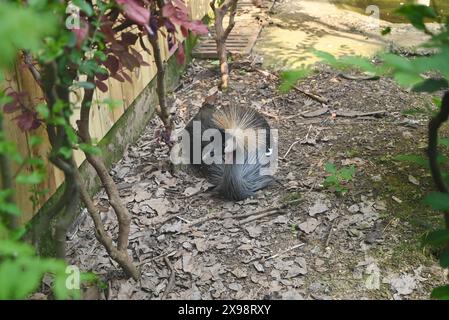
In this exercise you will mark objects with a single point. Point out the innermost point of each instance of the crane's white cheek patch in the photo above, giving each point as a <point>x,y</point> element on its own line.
<point>269,152</point>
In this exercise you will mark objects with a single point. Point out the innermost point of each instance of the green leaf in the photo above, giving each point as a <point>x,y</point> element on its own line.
<point>407,79</point>
<point>34,178</point>
<point>42,110</point>
<point>71,134</point>
<point>416,14</point>
<point>438,201</point>
<point>436,238</point>
<point>441,293</point>
<point>330,167</point>
<point>412,158</point>
<point>85,85</point>
<point>291,77</point>
<point>10,208</point>
<point>437,101</point>
<point>385,31</point>
<point>347,173</point>
<point>331,180</point>
<point>112,104</point>
<point>399,63</point>
<point>9,248</point>
<point>444,142</point>
<point>431,85</point>
<point>444,259</point>
<point>22,28</point>
<point>88,148</point>
<point>84,6</point>
<point>361,63</point>
<point>326,56</point>
<point>66,152</point>
<point>36,140</point>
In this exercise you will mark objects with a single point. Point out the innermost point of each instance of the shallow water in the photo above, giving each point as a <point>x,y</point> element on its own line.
<point>387,7</point>
<point>300,25</point>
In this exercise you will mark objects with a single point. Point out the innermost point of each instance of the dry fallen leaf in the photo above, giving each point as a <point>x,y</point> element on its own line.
<point>309,225</point>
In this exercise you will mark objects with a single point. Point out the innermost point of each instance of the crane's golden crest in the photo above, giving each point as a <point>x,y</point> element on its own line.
<point>240,123</point>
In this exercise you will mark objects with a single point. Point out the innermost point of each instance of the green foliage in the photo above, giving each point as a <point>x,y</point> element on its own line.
<point>21,269</point>
<point>422,74</point>
<point>407,72</point>
<point>337,178</point>
<point>441,293</point>
<point>416,14</point>
<point>438,200</point>
<point>21,272</point>
<point>22,28</point>
<point>289,78</point>
<point>413,159</point>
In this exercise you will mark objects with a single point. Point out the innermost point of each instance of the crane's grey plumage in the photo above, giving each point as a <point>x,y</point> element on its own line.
<point>233,181</point>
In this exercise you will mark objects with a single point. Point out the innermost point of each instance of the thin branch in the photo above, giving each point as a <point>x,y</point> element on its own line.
<point>171,281</point>
<point>297,141</point>
<point>231,23</point>
<point>121,257</point>
<point>434,125</point>
<point>120,253</point>
<point>223,215</point>
<point>285,251</point>
<point>97,163</point>
<point>162,111</point>
<point>29,63</point>
<point>311,95</point>
<point>126,24</point>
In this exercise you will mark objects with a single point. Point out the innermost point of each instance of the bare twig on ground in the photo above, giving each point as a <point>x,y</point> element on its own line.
<point>355,114</point>
<point>285,251</point>
<point>171,280</point>
<point>311,95</point>
<point>172,253</point>
<point>266,214</point>
<point>331,231</point>
<point>222,215</point>
<point>357,78</point>
<point>297,141</point>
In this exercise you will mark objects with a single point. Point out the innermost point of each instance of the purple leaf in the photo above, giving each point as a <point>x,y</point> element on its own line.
<point>129,38</point>
<point>135,11</point>
<point>102,86</point>
<point>28,121</point>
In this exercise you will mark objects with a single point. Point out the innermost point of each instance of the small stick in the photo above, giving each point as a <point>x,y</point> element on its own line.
<point>270,115</point>
<point>182,219</point>
<point>171,281</point>
<point>298,141</point>
<point>159,256</point>
<point>361,114</point>
<point>330,232</point>
<point>156,223</point>
<point>250,219</point>
<point>313,96</point>
<point>221,215</point>
<point>285,251</point>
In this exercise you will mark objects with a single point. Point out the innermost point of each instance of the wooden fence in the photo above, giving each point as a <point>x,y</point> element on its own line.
<point>102,117</point>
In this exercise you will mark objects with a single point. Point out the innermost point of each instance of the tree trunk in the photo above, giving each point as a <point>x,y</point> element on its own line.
<point>221,35</point>
<point>118,253</point>
<point>162,111</point>
<point>434,126</point>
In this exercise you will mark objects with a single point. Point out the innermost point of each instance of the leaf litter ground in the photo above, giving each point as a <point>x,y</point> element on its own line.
<point>360,245</point>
